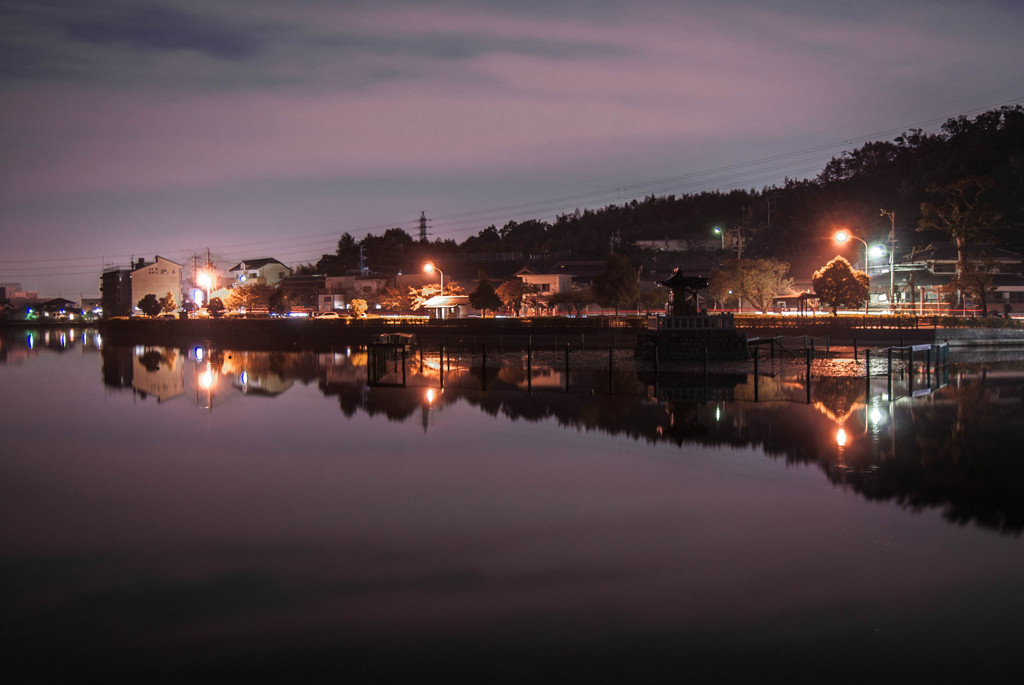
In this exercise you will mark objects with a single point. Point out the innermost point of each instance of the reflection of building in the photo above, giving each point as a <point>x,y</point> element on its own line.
<point>157,372</point>
<point>156,278</point>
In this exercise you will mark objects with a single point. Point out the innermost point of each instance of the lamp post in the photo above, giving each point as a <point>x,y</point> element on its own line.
<point>206,280</point>
<point>892,250</point>
<point>842,237</point>
<point>429,267</point>
<point>720,233</point>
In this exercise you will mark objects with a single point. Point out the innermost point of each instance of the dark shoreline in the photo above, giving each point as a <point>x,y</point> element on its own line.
<point>552,332</point>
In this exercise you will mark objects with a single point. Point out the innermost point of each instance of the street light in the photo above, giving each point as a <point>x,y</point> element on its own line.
<point>430,268</point>
<point>720,233</point>
<point>842,237</point>
<point>206,280</point>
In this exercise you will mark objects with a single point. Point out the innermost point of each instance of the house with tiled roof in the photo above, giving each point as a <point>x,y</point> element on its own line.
<point>264,270</point>
<point>919,279</point>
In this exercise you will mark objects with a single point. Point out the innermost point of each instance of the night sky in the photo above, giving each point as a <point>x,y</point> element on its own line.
<point>258,128</point>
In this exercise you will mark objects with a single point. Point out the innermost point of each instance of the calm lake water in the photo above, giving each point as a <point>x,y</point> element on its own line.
<point>207,514</point>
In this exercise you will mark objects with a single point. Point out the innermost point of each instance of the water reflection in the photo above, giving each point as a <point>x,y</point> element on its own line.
<point>206,510</point>
<point>953,447</point>
<point>17,346</point>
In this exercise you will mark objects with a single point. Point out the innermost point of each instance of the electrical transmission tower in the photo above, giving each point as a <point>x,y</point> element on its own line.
<point>423,227</point>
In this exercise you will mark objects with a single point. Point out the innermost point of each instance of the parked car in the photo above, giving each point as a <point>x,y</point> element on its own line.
<point>327,315</point>
<point>167,315</point>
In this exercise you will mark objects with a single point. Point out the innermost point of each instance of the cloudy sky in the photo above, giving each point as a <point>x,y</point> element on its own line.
<point>263,128</point>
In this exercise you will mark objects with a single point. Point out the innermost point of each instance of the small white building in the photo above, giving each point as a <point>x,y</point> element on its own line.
<point>155,278</point>
<point>447,306</point>
<point>546,284</point>
<point>265,270</point>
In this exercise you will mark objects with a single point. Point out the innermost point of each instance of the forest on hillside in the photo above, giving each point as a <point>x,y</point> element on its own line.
<point>794,222</point>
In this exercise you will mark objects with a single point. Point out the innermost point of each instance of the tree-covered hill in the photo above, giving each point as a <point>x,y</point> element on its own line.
<point>794,222</point>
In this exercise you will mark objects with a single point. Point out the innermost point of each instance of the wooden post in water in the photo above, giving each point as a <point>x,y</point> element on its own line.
<point>757,356</point>
<point>440,365</point>
<point>567,367</point>
<point>529,364</point>
<point>705,372</point>
<point>889,375</point>
<point>655,369</point>
<point>928,365</point>
<point>854,349</point>
<point>867,373</point>
<point>808,354</point>
<point>910,372</point>
<point>611,375</point>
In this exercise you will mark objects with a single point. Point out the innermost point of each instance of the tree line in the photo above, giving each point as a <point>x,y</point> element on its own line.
<point>963,184</point>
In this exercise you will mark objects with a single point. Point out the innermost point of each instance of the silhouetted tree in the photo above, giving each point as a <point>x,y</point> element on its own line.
<point>484,297</point>
<point>837,285</point>
<point>250,295</point>
<point>756,280</point>
<point>618,286</point>
<point>358,307</point>
<point>167,303</point>
<point>973,279</point>
<point>512,293</point>
<point>216,306</point>
<point>149,305</point>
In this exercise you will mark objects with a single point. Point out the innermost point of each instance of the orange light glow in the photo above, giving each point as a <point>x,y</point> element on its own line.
<point>206,378</point>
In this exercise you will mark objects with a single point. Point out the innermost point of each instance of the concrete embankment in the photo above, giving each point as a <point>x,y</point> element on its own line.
<point>285,334</point>
<point>981,337</point>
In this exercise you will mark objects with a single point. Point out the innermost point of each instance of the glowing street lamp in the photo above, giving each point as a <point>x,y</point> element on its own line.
<point>842,237</point>
<point>430,268</point>
<point>720,233</point>
<point>206,280</point>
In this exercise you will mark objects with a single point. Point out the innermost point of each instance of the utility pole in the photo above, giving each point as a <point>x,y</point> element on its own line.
<point>739,242</point>
<point>892,249</point>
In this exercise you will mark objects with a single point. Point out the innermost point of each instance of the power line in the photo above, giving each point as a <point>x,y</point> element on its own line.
<point>726,177</point>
